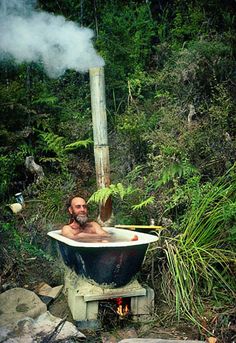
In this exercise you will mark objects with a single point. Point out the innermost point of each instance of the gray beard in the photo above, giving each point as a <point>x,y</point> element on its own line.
<point>81,220</point>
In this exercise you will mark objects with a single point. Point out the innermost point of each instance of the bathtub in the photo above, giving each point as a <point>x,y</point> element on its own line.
<point>111,264</point>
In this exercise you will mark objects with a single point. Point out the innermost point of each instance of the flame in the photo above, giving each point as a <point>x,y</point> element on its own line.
<point>121,310</point>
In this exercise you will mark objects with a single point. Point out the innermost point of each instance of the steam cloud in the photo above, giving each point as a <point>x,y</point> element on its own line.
<point>29,35</point>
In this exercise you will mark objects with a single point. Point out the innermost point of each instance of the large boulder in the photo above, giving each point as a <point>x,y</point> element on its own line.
<point>18,303</point>
<point>24,319</point>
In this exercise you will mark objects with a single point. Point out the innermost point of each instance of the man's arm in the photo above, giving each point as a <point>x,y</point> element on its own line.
<point>98,230</point>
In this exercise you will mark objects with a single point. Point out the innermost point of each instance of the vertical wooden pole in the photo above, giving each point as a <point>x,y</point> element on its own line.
<point>101,149</point>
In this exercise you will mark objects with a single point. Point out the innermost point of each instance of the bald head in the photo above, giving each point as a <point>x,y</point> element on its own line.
<point>77,200</point>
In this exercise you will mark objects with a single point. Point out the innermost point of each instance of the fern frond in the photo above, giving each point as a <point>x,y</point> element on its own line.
<point>78,144</point>
<point>135,173</point>
<point>144,203</point>
<point>121,190</point>
<point>183,169</point>
<point>46,100</point>
<point>54,142</point>
<point>101,195</point>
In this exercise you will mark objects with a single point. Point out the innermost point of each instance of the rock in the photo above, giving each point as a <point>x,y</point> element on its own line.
<point>127,333</point>
<point>108,338</point>
<point>18,303</point>
<point>46,290</point>
<point>34,168</point>
<point>46,326</point>
<point>121,333</point>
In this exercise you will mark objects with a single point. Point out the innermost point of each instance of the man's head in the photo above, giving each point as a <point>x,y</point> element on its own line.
<point>78,210</point>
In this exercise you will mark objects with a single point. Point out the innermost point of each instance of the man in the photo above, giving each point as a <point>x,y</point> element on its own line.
<point>81,228</point>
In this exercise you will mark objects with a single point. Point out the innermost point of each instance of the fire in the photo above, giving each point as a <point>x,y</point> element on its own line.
<point>122,310</point>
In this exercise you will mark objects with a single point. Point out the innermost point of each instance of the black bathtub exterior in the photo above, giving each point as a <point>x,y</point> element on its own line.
<point>111,266</point>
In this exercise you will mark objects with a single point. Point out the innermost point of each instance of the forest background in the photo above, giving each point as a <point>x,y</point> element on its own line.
<point>170,76</point>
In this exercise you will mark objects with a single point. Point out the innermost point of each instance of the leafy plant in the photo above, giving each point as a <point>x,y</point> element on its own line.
<point>56,144</point>
<point>199,257</point>
<point>181,169</point>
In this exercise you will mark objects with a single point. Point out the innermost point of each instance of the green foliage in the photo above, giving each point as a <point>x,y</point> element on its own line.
<point>124,41</point>
<point>5,175</point>
<point>10,166</point>
<point>199,257</point>
<point>46,100</point>
<point>179,170</point>
<point>188,24</point>
<point>128,202</point>
<point>56,144</point>
<point>20,242</point>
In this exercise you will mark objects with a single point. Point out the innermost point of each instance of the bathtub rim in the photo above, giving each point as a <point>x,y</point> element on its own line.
<point>144,238</point>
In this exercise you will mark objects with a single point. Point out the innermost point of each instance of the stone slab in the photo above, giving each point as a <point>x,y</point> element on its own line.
<point>117,294</point>
<point>45,290</point>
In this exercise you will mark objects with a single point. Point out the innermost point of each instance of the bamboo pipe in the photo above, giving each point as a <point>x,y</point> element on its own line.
<point>101,148</point>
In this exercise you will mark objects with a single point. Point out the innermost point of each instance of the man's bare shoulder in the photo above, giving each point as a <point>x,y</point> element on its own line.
<point>66,229</point>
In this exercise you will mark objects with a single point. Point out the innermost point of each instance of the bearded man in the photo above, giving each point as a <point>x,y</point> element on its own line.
<point>80,228</point>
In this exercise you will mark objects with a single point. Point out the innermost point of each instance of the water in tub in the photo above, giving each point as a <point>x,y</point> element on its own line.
<point>111,239</point>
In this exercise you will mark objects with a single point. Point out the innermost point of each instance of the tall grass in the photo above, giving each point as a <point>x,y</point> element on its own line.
<point>201,257</point>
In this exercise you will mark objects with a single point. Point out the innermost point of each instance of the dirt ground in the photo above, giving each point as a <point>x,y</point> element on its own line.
<point>117,329</point>
<point>37,270</point>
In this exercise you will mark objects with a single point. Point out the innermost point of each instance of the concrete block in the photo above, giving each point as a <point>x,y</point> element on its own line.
<point>77,305</point>
<point>80,309</point>
<point>92,310</point>
<point>143,304</point>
